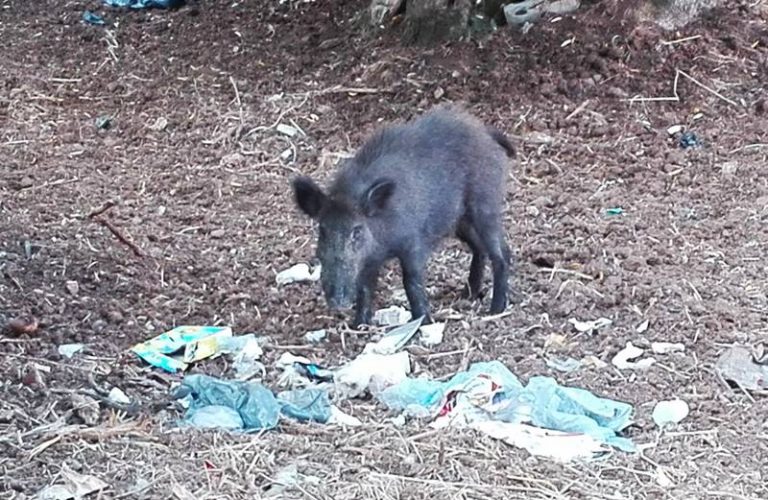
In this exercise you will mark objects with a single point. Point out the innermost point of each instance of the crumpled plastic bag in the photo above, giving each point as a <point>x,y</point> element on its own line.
<point>371,373</point>
<point>571,409</point>
<point>422,397</point>
<point>488,391</point>
<point>255,404</point>
<point>306,405</point>
<point>236,404</point>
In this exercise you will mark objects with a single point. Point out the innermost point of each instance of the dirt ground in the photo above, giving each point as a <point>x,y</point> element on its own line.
<point>201,179</point>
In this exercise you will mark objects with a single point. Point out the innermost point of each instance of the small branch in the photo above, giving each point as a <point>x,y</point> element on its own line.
<point>108,205</point>
<point>578,110</point>
<point>553,270</point>
<point>119,236</point>
<point>354,90</point>
<point>710,90</point>
<point>680,40</point>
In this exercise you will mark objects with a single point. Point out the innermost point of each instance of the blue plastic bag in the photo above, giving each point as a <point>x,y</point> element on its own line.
<point>145,4</point>
<point>214,417</point>
<point>93,18</point>
<point>543,403</point>
<point>552,406</point>
<point>236,404</point>
<point>255,404</point>
<point>306,405</point>
<point>421,397</point>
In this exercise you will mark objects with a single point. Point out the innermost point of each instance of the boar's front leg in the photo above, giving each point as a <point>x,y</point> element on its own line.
<point>412,264</point>
<point>366,286</point>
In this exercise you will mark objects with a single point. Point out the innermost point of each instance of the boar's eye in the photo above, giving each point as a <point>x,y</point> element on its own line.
<point>357,234</point>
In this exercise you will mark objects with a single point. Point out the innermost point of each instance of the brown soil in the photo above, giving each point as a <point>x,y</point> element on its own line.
<point>194,162</point>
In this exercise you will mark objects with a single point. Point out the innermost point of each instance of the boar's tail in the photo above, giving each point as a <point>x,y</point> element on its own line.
<point>502,140</point>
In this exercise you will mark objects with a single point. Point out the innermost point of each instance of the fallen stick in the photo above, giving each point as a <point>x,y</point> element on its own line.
<point>708,89</point>
<point>104,222</point>
<point>101,210</point>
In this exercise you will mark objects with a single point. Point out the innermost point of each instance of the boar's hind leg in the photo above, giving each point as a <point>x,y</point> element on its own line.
<point>489,230</point>
<point>412,264</point>
<point>468,235</point>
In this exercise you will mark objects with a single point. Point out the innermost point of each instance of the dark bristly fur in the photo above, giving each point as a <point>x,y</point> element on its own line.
<point>407,188</point>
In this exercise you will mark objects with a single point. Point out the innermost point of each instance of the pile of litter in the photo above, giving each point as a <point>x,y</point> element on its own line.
<point>543,417</point>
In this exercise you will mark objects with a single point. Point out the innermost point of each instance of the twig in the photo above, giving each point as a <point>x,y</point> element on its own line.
<point>494,317</point>
<point>757,145</point>
<point>578,110</point>
<point>293,347</point>
<point>675,97</point>
<point>119,236</point>
<point>680,40</point>
<point>708,89</point>
<point>237,99</point>
<point>425,434</point>
<point>463,485</point>
<point>108,205</point>
<point>447,353</point>
<point>57,182</point>
<point>652,99</point>
<point>354,90</point>
<point>42,447</point>
<point>554,270</point>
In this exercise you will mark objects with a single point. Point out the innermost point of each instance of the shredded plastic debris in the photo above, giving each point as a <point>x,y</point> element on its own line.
<point>623,359</point>
<point>565,365</point>
<point>250,406</point>
<point>395,339</point>
<point>315,336</point>
<point>93,18</point>
<point>737,365</point>
<point>589,326</point>
<point>432,334</point>
<point>689,140</point>
<point>489,392</point>
<point>391,316</point>
<point>69,350</point>
<point>76,486</point>
<point>670,412</point>
<point>667,347</point>
<point>298,273</point>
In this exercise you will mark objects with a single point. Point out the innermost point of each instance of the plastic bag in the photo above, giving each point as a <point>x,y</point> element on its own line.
<point>488,391</point>
<point>306,405</point>
<point>255,404</point>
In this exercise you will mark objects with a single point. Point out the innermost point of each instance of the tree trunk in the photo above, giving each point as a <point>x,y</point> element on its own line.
<point>428,22</point>
<point>671,14</point>
<point>432,21</point>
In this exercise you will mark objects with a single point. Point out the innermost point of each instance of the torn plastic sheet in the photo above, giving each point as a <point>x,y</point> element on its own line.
<point>488,391</point>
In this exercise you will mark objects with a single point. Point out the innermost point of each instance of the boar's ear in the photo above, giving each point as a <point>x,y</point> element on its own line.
<point>377,196</point>
<point>309,197</point>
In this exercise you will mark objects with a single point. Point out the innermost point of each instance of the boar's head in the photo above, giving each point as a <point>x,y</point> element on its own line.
<point>346,240</point>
